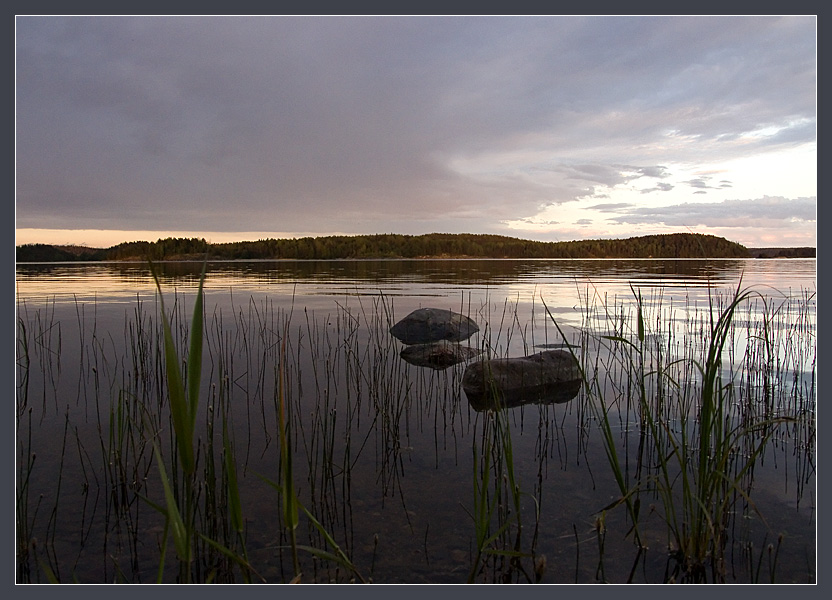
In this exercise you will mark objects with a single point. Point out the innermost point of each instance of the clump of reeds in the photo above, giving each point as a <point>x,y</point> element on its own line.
<point>497,507</point>
<point>493,466</point>
<point>180,503</point>
<point>182,487</point>
<point>695,456</point>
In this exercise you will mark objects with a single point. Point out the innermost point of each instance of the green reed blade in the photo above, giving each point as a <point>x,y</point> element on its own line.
<point>50,574</point>
<point>172,515</point>
<point>160,571</point>
<point>322,554</point>
<point>233,489</point>
<point>340,556</point>
<point>239,560</point>
<point>640,313</point>
<point>290,501</point>
<point>179,410</point>
<point>195,351</point>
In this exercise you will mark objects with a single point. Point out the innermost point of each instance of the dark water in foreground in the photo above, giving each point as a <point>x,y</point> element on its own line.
<point>385,451</point>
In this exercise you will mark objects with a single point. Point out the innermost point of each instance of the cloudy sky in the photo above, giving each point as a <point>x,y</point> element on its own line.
<point>545,128</point>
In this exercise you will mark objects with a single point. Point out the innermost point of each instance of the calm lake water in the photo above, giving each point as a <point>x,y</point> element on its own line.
<point>385,451</point>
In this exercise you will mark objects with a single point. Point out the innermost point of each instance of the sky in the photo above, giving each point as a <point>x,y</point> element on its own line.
<point>550,128</point>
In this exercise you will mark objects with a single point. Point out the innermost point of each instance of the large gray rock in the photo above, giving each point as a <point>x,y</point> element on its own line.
<point>544,378</point>
<point>428,325</point>
<point>438,355</point>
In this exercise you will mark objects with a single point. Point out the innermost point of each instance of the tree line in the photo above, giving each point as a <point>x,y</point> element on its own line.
<point>675,245</point>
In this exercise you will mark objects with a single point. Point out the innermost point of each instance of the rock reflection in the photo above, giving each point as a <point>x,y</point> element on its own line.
<point>439,355</point>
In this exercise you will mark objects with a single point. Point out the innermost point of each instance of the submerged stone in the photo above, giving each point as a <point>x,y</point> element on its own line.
<point>428,325</point>
<point>438,355</point>
<point>550,377</point>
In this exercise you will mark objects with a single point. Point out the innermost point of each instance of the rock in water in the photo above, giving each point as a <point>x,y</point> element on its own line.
<point>544,378</point>
<point>438,355</point>
<point>428,325</point>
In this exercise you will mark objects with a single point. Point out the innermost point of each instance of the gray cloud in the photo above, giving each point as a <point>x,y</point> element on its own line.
<point>768,211</point>
<point>653,171</point>
<point>358,124</point>
<point>704,183</point>
<point>609,175</point>
<point>660,187</point>
<point>532,221</point>
<point>700,182</point>
<point>611,206</point>
<point>603,174</point>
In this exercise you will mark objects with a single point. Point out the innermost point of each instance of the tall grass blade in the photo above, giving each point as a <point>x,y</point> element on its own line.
<point>180,405</point>
<point>235,506</point>
<point>339,557</point>
<point>236,558</point>
<point>194,363</point>
<point>171,511</point>
<point>184,402</point>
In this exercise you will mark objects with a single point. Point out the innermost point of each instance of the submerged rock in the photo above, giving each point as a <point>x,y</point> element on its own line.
<point>438,355</point>
<point>428,325</point>
<point>550,377</point>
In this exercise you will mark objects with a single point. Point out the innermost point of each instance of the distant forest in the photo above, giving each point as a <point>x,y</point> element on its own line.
<point>434,245</point>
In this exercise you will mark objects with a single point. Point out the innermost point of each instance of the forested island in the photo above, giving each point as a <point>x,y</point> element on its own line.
<point>434,245</point>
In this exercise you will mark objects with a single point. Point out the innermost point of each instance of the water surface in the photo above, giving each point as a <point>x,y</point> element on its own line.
<point>385,450</point>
